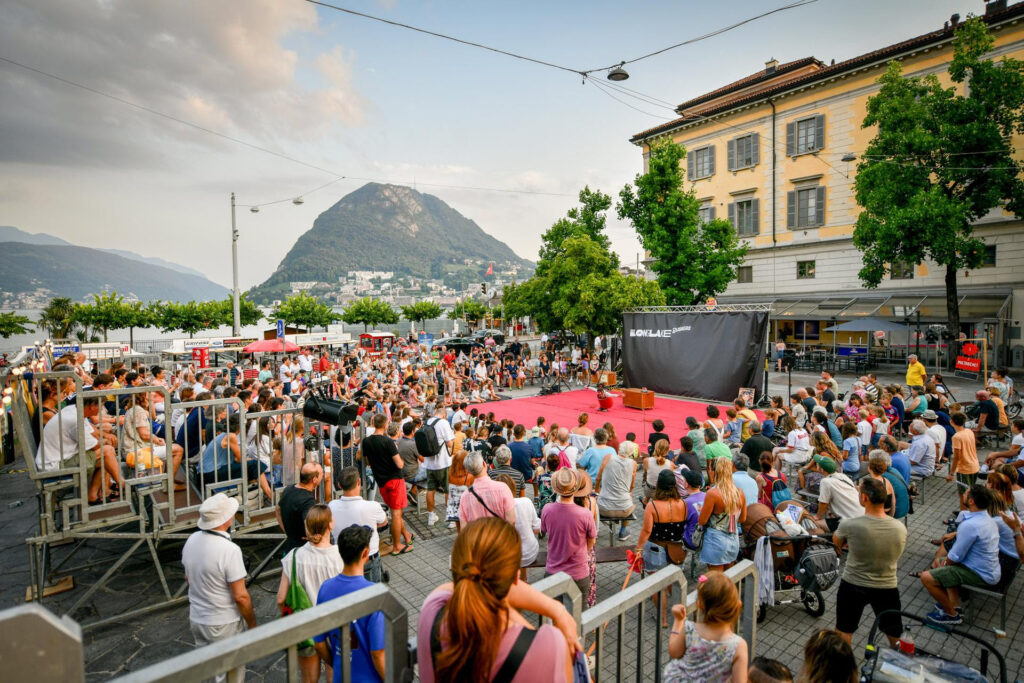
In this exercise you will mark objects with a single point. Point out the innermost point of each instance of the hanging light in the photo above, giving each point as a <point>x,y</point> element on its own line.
<point>848,157</point>
<point>298,200</point>
<point>254,209</point>
<point>618,73</point>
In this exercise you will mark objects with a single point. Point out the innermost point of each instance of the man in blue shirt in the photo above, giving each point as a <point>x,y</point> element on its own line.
<point>972,561</point>
<point>900,461</point>
<point>369,631</point>
<point>593,457</point>
<point>922,450</point>
<point>522,456</point>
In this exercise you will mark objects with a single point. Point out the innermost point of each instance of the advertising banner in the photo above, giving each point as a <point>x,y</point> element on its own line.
<point>708,355</point>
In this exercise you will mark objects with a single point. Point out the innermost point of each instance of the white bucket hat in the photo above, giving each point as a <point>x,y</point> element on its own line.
<point>216,510</point>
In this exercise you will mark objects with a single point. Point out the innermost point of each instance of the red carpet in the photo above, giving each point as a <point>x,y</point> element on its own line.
<point>565,408</point>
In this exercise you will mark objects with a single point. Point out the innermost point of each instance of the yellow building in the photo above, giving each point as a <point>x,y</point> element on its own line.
<point>776,152</point>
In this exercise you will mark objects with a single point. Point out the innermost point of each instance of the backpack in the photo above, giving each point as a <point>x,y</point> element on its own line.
<point>427,442</point>
<point>563,459</point>
<point>546,494</point>
<point>780,492</point>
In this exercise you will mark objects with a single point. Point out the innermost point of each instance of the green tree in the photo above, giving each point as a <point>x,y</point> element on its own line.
<point>470,310</point>
<point>420,311</point>
<point>304,310</point>
<point>137,314</point>
<point>108,311</point>
<point>693,260</point>
<point>58,318</point>
<point>587,219</point>
<point>941,158</point>
<point>248,312</point>
<point>369,312</point>
<point>12,324</point>
<point>190,317</point>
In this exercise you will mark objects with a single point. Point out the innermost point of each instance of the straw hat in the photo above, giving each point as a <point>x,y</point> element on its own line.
<point>216,510</point>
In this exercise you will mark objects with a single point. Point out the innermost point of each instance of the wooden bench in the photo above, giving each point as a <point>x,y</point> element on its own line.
<point>613,554</point>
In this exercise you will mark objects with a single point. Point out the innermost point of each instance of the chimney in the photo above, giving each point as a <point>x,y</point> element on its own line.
<point>771,65</point>
<point>954,20</point>
<point>993,6</point>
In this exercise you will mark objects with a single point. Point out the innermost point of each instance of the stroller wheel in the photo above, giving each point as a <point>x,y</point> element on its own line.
<point>814,603</point>
<point>762,612</point>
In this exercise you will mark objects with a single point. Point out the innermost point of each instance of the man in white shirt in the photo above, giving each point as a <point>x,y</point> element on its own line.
<point>437,465</point>
<point>306,362</point>
<point>460,415</point>
<point>936,432</point>
<point>285,375</point>
<point>838,494</point>
<point>219,603</point>
<point>563,445</point>
<point>59,447</point>
<point>352,509</point>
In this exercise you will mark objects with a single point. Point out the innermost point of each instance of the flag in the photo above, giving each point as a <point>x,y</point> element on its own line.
<point>490,269</point>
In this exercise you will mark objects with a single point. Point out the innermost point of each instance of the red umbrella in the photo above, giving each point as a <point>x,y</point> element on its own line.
<point>270,346</point>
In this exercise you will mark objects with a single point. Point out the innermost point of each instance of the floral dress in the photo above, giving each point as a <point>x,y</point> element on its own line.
<point>709,661</point>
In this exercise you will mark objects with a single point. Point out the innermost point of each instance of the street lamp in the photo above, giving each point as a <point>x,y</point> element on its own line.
<point>618,73</point>
<point>236,313</point>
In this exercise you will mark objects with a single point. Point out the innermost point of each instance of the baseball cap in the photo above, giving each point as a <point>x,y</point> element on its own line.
<point>826,463</point>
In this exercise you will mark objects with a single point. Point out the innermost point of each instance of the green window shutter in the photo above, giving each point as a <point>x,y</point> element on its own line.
<point>689,166</point>
<point>791,139</point>
<point>755,215</point>
<point>791,209</point>
<point>819,131</point>
<point>819,206</point>
<point>732,215</point>
<point>755,142</point>
<point>711,214</point>
<point>711,160</point>
<point>730,155</point>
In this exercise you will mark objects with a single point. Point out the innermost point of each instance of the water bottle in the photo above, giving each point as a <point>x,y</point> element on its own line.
<point>906,642</point>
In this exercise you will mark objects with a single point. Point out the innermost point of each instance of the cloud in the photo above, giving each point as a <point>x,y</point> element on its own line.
<point>222,64</point>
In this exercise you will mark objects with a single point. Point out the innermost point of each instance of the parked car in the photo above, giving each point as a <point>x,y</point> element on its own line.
<point>497,335</point>
<point>462,344</point>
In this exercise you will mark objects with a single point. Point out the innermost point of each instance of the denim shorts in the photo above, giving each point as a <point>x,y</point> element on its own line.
<point>719,547</point>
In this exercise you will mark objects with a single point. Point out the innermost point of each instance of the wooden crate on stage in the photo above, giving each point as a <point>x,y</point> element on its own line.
<point>638,398</point>
<point>605,377</point>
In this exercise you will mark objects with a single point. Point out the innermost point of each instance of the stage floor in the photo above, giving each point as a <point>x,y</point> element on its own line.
<point>564,409</point>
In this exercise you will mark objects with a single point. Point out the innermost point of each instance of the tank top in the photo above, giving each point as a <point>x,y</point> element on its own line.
<point>654,469</point>
<point>615,480</point>
<point>669,531</point>
<point>766,492</point>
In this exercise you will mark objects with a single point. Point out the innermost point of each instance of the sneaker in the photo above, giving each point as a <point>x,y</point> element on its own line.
<point>432,519</point>
<point>451,525</point>
<point>942,619</point>
<point>623,534</point>
<point>939,608</point>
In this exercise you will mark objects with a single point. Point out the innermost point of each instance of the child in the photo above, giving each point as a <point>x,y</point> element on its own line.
<point>810,481</point>
<point>709,650</point>
<point>851,449</point>
<point>768,426</point>
<point>733,429</point>
<point>545,493</point>
<point>864,430</point>
<point>965,457</point>
<point>631,439</point>
<point>880,426</point>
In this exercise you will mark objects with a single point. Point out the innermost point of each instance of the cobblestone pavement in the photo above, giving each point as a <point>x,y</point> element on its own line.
<point>132,644</point>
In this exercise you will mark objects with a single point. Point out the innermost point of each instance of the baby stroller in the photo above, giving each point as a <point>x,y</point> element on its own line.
<point>803,564</point>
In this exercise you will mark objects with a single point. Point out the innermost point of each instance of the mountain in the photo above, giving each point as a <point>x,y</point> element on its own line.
<point>78,272</point>
<point>389,228</point>
<point>9,233</point>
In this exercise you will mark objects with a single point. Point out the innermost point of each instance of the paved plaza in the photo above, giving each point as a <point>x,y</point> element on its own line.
<point>145,640</point>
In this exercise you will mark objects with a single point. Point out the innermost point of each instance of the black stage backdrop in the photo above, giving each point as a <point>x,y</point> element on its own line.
<point>701,355</point>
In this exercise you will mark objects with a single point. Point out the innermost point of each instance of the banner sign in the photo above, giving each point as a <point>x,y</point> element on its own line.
<point>201,356</point>
<point>60,350</point>
<point>968,364</point>
<point>701,355</point>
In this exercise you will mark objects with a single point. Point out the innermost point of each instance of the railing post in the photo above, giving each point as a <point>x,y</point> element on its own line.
<point>36,644</point>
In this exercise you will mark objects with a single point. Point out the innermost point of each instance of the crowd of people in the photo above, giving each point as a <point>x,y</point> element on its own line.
<point>858,460</point>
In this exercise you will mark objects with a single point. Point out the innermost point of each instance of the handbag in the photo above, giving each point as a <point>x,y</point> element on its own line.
<point>296,599</point>
<point>697,539</point>
<point>655,557</point>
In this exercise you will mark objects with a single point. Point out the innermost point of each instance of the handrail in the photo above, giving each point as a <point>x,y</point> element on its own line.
<point>561,587</point>
<point>284,634</point>
<point>744,574</point>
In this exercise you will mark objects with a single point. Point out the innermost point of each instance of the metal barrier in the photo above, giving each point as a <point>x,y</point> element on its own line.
<point>37,645</point>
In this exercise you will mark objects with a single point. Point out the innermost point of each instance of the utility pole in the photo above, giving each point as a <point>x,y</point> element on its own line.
<point>236,322</point>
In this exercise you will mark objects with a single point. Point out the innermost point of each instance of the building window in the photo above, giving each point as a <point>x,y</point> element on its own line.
<point>990,256</point>
<point>700,163</point>
<point>805,136</point>
<point>805,207</point>
<point>901,270</point>
<point>743,152</point>
<point>745,274</point>
<point>744,216</point>
<point>706,214</point>
<point>805,270</point>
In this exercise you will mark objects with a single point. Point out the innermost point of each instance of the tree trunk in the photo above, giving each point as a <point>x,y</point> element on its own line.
<point>104,335</point>
<point>953,314</point>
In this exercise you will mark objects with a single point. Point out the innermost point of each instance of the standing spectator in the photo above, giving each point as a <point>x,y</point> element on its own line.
<point>295,502</point>
<point>527,524</point>
<point>412,472</point>
<point>917,375</point>
<point>219,605</point>
<point>465,625</point>
<point>965,457</point>
<point>437,465</point>
<point>484,497</point>
<point>369,632</point>
<point>614,485</point>
<point>522,456</point>
<point>836,494</point>
<point>876,542</point>
<point>503,465</point>
<point>314,563</point>
<point>571,530</point>
<point>351,509</point>
<point>972,561</point>
<point>724,510</point>
<point>382,456</point>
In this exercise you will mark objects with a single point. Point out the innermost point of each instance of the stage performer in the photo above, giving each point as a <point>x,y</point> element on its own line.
<point>604,400</point>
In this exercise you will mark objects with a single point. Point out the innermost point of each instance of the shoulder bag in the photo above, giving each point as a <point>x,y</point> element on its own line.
<point>297,599</point>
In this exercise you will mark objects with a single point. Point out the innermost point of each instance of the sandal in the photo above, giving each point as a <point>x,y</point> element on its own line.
<point>406,549</point>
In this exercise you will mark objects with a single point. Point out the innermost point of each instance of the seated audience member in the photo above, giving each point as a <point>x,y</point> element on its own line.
<point>838,495</point>
<point>614,483</point>
<point>922,450</point>
<point>828,658</point>
<point>58,449</point>
<point>466,625</point>
<point>503,465</point>
<point>686,457</point>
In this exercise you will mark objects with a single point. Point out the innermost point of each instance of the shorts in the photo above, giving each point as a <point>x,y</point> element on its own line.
<point>967,480</point>
<point>954,575</point>
<point>617,514</point>
<point>393,493</point>
<point>437,480</point>
<point>72,462</point>
<point>852,599</point>
<point>719,547</point>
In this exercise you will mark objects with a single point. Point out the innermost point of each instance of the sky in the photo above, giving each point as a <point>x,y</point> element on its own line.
<point>362,99</point>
